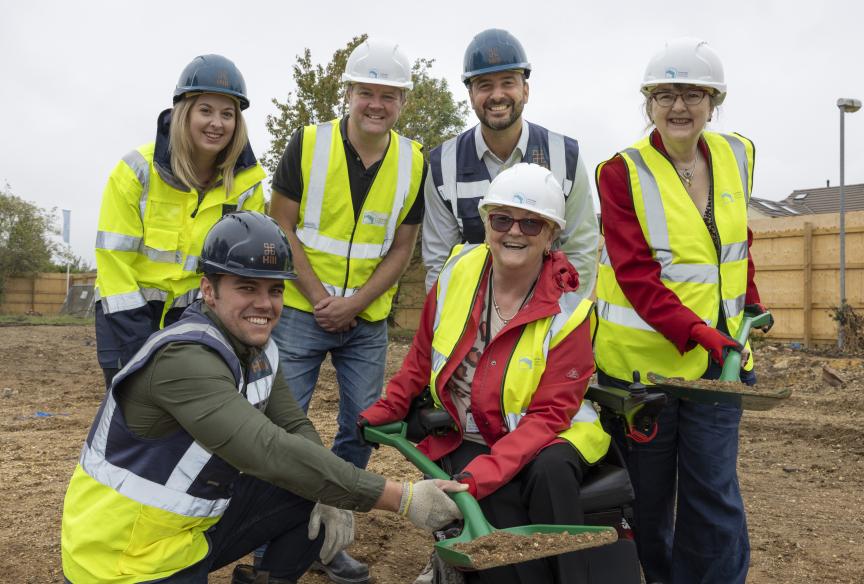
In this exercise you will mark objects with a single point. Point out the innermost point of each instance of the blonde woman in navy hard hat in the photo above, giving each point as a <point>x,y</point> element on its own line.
<point>161,200</point>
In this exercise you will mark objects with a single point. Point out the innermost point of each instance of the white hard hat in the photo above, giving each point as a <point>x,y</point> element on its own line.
<point>526,186</point>
<point>686,61</point>
<point>379,62</point>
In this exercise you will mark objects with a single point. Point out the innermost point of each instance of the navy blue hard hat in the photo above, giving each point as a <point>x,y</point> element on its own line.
<point>249,244</point>
<point>494,50</point>
<point>212,74</point>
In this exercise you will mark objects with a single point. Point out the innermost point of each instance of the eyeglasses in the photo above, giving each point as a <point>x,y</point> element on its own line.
<point>503,223</point>
<point>689,97</point>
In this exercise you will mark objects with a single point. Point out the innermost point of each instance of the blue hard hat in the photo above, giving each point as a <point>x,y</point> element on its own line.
<point>248,244</point>
<point>494,50</point>
<point>212,74</point>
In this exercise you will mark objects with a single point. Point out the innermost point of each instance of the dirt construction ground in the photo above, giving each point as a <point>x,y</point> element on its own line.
<point>801,465</point>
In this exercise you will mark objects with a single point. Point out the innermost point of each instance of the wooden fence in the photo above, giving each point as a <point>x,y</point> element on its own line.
<point>39,294</point>
<point>797,273</point>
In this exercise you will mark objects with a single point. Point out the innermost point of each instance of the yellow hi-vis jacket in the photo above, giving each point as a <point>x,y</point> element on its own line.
<point>457,292</point>
<point>690,266</point>
<point>151,230</point>
<point>343,252</point>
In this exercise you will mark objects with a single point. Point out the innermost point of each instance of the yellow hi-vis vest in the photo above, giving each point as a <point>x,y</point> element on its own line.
<point>148,242</point>
<point>344,253</point>
<point>457,291</point>
<point>689,263</point>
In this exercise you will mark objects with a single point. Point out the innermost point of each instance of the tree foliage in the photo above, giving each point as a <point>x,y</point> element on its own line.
<point>26,244</point>
<point>430,116</point>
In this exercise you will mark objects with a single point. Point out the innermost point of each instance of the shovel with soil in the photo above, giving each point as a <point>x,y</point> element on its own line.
<point>480,546</point>
<point>727,389</point>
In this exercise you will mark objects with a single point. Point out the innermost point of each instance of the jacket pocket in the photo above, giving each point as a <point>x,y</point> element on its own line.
<point>162,542</point>
<point>161,239</point>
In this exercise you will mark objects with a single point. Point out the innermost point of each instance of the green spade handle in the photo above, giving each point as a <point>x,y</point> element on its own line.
<point>732,364</point>
<point>393,434</point>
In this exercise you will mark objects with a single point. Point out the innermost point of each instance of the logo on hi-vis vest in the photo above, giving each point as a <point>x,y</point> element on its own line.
<point>730,197</point>
<point>526,363</point>
<point>373,218</point>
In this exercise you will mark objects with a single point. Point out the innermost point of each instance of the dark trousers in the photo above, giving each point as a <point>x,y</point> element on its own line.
<point>259,512</point>
<point>689,523</point>
<point>545,491</point>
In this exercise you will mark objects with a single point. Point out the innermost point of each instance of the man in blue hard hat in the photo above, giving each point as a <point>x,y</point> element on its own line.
<point>496,72</point>
<point>200,453</point>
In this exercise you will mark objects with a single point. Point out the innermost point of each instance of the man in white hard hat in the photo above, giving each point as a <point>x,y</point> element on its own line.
<point>348,194</point>
<point>496,70</point>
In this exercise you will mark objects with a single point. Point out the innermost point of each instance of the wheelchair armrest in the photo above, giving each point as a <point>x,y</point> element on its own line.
<point>639,409</point>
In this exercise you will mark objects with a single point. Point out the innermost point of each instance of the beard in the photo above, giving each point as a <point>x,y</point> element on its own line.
<point>500,124</point>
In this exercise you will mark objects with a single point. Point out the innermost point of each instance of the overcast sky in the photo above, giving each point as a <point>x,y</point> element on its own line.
<point>81,83</point>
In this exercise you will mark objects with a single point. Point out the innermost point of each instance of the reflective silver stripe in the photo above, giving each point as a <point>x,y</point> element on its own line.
<point>337,291</point>
<point>318,176</point>
<point>161,256</point>
<point>694,273</point>
<point>139,165</point>
<point>444,282</point>
<point>586,414</point>
<point>403,185</point>
<point>654,210</point>
<point>557,158</point>
<point>448,176</point>
<point>622,315</point>
<point>259,390</point>
<point>734,306</point>
<point>190,264</point>
<point>244,196</point>
<point>186,299</point>
<point>116,241</point>
<point>740,152</point>
<point>472,190</point>
<point>121,302</point>
<point>316,240</point>
<point>188,468</point>
<point>438,360</point>
<point>604,256</point>
<point>733,252</point>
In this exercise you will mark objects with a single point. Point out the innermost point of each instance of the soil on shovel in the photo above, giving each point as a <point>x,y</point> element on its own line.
<point>501,547</point>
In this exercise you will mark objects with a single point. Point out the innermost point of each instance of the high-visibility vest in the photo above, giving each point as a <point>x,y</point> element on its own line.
<point>462,178</point>
<point>151,231</point>
<point>343,252</point>
<point>690,266</point>
<point>457,291</point>
<point>136,509</point>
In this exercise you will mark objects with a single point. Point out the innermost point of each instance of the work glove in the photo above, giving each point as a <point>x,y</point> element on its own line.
<point>427,506</point>
<point>717,344</point>
<point>362,423</point>
<point>338,529</point>
<point>757,309</point>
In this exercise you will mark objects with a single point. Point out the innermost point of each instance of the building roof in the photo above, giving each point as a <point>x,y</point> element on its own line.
<point>812,202</point>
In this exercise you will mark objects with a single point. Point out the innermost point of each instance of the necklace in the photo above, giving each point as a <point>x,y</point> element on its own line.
<point>687,173</point>
<point>498,308</point>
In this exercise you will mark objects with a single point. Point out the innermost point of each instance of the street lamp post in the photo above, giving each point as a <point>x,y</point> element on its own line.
<point>845,105</point>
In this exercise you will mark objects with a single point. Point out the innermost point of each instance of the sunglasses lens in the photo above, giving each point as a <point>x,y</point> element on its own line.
<point>530,226</point>
<point>500,223</point>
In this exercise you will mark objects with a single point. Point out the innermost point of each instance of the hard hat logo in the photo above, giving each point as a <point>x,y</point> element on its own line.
<point>269,255</point>
<point>493,57</point>
<point>222,79</point>
<point>673,73</point>
<point>373,74</point>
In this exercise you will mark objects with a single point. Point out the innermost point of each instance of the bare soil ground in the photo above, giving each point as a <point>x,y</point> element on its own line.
<point>801,465</point>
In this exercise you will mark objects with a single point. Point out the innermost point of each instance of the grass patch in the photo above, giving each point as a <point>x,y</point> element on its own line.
<point>32,320</point>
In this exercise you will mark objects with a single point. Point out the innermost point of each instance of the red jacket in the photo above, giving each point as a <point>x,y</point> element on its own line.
<point>557,399</point>
<point>637,272</point>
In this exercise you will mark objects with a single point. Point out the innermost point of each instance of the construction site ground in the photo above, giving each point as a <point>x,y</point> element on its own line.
<point>801,465</point>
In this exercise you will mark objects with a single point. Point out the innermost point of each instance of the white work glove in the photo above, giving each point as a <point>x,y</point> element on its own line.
<point>427,506</point>
<point>338,529</point>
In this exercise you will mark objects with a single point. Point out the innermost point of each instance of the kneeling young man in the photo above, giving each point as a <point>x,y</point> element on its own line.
<point>199,453</point>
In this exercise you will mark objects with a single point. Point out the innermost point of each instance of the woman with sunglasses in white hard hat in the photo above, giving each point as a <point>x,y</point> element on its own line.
<point>675,276</point>
<point>504,346</point>
<point>161,200</point>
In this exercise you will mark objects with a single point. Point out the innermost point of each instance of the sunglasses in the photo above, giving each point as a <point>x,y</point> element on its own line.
<point>503,223</point>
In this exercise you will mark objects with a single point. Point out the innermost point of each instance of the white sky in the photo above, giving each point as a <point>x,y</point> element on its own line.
<point>81,83</point>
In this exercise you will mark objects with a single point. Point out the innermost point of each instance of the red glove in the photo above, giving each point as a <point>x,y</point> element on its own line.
<point>758,308</point>
<point>716,343</point>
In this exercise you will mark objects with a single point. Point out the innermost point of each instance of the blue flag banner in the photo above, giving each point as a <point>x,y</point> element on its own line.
<point>66,221</point>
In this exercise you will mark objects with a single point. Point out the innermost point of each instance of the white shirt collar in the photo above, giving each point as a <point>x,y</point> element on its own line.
<point>482,148</point>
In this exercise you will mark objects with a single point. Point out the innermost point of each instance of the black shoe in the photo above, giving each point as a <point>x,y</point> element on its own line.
<point>245,574</point>
<point>343,569</point>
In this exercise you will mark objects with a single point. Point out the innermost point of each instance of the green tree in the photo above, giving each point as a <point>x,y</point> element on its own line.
<point>430,116</point>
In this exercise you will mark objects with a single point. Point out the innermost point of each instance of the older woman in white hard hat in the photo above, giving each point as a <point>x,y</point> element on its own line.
<point>674,279</point>
<point>504,346</point>
<point>161,200</point>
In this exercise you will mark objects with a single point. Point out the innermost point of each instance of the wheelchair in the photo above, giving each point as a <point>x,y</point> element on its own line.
<point>606,492</point>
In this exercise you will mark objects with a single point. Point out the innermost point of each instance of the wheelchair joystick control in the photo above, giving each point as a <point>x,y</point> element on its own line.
<point>637,387</point>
